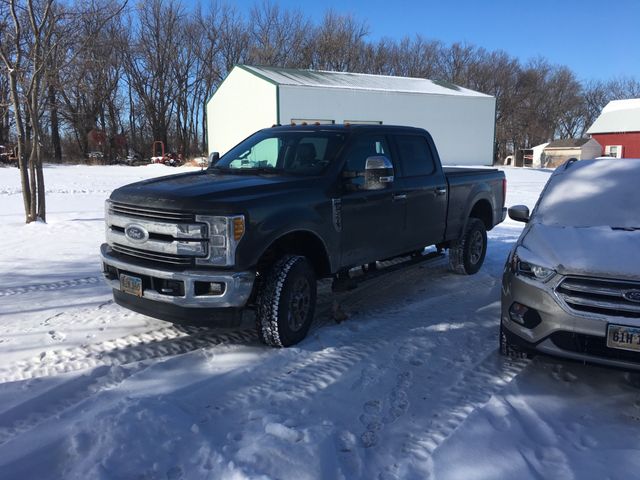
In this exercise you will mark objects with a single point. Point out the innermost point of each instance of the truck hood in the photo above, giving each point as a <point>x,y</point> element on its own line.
<point>197,191</point>
<point>590,251</point>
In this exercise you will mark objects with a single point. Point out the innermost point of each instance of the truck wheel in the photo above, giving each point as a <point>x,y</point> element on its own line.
<point>508,349</point>
<point>286,302</point>
<point>466,254</point>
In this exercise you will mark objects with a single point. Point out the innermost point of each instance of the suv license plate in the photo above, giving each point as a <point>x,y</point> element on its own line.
<point>623,337</point>
<point>131,285</point>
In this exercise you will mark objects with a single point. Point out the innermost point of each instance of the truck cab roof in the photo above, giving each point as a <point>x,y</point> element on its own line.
<point>348,128</point>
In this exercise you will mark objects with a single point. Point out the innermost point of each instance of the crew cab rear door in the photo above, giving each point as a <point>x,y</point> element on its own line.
<point>421,179</point>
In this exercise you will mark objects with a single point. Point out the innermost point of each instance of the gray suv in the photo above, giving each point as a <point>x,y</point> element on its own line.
<point>571,284</point>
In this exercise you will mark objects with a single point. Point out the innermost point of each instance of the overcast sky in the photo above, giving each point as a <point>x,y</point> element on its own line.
<point>596,39</point>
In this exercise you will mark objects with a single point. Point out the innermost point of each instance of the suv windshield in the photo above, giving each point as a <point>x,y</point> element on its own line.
<point>592,193</point>
<point>299,153</point>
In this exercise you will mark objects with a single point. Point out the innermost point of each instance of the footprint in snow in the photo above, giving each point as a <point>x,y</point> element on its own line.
<point>346,441</point>
<point>283,432</point>
<point>57,336</point>
<point>369,439</point>
<point>372,407</point>
<point>499,416</point>
<point>175,473</point>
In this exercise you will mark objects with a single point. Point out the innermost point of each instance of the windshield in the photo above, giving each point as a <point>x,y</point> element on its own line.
<point>299,153</point>
<point>592,193</point>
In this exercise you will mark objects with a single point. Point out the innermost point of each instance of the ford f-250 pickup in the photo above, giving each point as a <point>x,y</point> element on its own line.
<point>285,207</point>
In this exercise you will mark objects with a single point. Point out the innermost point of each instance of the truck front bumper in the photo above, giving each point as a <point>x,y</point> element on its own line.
<point>188,288</point>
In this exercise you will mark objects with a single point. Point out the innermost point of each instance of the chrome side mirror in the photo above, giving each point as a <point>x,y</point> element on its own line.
<point>213,158</point>
<point>378,173</point>
<point>519,213</point>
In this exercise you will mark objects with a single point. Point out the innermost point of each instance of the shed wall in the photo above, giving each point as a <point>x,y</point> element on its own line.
<point>462,127</point>
<point>243,104</point>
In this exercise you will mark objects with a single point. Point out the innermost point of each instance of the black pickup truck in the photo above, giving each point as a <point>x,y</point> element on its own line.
<point>285,207</point>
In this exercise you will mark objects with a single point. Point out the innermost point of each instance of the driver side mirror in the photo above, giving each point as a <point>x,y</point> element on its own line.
<point>519,213</point>
<point>213,158</point>
<point>378,173</point>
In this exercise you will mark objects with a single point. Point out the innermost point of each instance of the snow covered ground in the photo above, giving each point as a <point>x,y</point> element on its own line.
<point>410,386</point>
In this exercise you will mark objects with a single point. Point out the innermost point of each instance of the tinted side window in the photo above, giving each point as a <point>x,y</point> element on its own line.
<point>415,155</point>
<point>364,147</point>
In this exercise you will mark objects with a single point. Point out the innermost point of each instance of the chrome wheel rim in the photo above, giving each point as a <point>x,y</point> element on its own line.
<point>475,247</point>
<point>299,303</point>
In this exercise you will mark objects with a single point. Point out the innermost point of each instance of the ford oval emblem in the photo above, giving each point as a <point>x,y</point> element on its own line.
<point>632,295</point>
<point>136,233</point>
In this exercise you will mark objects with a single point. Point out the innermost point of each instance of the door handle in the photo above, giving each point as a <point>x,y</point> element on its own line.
<point>399,196</point>
<point>441,190</point>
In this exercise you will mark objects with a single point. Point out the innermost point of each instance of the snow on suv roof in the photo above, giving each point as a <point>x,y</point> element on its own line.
<point>358,81</point>
<point>592,193</point>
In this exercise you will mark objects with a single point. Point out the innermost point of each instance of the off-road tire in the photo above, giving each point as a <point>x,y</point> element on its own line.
<point>508,349</point>
<point>284,295</point>
<point>464,256</point>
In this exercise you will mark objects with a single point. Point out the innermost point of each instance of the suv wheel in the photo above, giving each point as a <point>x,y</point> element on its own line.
<point>466,255</point>
<point>286,302</point>
<point>510,350</point>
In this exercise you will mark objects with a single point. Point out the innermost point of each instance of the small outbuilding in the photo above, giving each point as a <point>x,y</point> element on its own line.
<point>461,121</point>
<point>559,151</point>
<point>617,129</point>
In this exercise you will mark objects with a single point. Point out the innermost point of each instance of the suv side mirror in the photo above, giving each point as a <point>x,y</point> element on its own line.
<point>213,158</point>
<point>519,213</point>
<point>378,173</point>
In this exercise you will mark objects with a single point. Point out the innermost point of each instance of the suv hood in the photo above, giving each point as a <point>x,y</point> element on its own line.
<point>196,191</point>
<point>589,251</point>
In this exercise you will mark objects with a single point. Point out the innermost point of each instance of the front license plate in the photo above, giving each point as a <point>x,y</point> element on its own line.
<point>131,285</point>
<point>623,337</point>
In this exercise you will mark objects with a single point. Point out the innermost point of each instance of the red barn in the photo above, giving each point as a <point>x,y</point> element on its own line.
<point>617,129</point>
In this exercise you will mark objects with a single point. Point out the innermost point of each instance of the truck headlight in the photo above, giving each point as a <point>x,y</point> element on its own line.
<point>531,270</point>
<point>223,233</point>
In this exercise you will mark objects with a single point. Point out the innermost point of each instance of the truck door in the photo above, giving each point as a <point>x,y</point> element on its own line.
<point>372,220</point>
<point>425,185</point>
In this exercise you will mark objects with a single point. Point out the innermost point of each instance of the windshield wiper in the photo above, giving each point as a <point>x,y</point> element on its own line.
<point>257,170</point>
<point>218,169</point>
<point>626,229</point>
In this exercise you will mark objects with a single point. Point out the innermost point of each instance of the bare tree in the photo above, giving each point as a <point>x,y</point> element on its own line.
<point>149,62</point>
<point>25,52</point>
<point>277,37</point>
<point>337,43</point>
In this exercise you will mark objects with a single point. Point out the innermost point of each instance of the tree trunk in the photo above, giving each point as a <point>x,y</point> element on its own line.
<point>55,128</point>
<point>24,173</point>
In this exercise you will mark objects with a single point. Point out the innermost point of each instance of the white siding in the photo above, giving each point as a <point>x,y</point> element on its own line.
<point>242,105</point>
<point>462,126</point>
<point>590,150</point>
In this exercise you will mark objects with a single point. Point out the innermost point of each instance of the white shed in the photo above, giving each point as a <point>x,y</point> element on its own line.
<point>461,121</point>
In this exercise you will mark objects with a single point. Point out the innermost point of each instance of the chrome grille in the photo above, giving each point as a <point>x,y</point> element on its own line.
<point>149,213</point>
<point>601,296</point>
<point>156,257</point>
<point>171,237</point>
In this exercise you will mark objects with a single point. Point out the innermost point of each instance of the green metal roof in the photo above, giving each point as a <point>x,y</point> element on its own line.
<point>358,81</point>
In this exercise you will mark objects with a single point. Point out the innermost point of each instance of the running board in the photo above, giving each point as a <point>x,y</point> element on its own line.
<point>377,269</point>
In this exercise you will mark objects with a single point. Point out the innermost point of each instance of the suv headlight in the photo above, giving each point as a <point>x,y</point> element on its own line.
<point>531,270</point>
<point>224,233</point>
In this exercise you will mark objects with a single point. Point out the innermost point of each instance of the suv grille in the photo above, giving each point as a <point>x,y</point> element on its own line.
<point>602,296</point>
<point>591,345</point>
<point>149,213</point>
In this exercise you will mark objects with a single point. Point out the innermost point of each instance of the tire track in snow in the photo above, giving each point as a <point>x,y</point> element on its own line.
<point>112,362</point>
<point>44,287</point>
<point>302,378</point>
<point>473,391</point>
<point>121,351</point>
<point>53,402</point>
